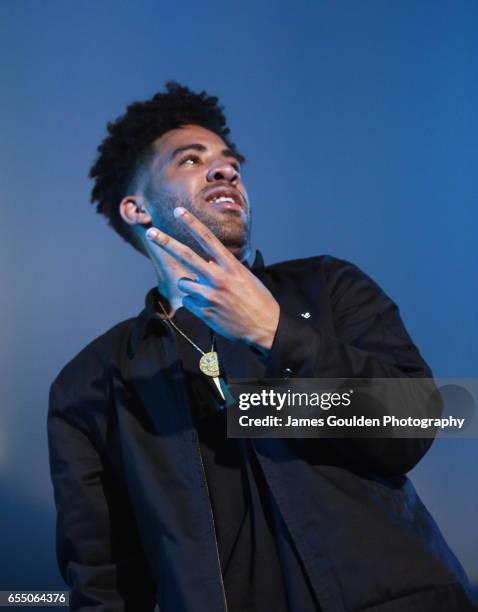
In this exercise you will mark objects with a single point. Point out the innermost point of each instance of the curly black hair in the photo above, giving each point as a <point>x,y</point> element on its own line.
<point>128,145</point>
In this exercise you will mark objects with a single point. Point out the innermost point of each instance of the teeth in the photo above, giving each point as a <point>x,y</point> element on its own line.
<point>223,199</point>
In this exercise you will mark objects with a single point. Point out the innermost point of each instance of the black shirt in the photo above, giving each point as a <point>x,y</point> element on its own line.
<point>261,571</point>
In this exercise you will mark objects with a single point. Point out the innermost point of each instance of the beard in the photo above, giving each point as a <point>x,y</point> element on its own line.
<point>233,231</point>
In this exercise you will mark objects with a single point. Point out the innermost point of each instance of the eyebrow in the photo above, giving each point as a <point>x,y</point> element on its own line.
<point>201,148</point>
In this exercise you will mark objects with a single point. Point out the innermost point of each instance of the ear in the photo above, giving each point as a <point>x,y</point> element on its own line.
<point>133,210</point>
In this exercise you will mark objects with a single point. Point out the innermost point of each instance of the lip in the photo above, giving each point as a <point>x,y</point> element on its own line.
<point>228,192</point>
<point>228,206</point>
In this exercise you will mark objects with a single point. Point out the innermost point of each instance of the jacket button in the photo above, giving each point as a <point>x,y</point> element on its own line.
<point>286,373</point>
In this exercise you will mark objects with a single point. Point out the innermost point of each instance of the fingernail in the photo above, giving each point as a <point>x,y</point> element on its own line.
<point>151,233</point>
<point>179,211</point>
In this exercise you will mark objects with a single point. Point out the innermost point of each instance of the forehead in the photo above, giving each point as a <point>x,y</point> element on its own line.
<point>185,135</point>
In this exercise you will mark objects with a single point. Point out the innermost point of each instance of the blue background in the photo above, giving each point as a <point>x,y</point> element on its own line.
<point>358,119</point>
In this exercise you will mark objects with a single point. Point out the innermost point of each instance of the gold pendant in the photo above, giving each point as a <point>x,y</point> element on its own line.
<point>217,382</point>
<point>209,364</point>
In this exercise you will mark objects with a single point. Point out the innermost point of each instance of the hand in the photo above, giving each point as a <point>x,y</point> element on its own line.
<point>226,295</point>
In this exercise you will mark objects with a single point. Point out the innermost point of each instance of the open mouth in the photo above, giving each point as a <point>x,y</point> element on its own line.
<point>225,198</point>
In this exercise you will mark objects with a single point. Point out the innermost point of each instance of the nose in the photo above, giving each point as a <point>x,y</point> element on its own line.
<point>222,171</point>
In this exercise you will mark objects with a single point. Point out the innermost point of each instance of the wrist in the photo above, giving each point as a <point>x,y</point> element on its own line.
<point>263,336</point>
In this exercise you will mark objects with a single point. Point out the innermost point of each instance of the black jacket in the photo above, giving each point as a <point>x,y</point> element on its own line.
<point>134,521</point>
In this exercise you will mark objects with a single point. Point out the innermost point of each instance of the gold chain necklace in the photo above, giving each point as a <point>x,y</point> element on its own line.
<point>209,362</point>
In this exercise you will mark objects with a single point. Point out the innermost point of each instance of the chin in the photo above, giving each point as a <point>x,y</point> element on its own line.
<point>234,237</point>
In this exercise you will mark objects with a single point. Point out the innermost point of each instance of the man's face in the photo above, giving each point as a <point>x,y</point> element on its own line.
<point>193,168</point>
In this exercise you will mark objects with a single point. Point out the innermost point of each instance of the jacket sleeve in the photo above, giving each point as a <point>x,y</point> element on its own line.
<point>369,341</point>
<point>98,551</point>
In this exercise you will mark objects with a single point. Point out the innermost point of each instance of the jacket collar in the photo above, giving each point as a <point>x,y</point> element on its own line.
<point>147,320</point>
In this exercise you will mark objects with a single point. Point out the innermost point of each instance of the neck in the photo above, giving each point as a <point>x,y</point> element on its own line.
<point>171,298</point>
<point>167,282</point>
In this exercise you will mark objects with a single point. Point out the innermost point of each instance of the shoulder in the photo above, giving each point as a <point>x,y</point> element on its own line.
<point>90,366</point>
<point>335,270</point>
<point>345,284</point>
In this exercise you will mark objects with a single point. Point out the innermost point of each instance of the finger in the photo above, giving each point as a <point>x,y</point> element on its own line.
<point>206,314</point>
<point>180,252</point>
<point>194,289</point>
<point>197,307</point>
<point>209,242</point>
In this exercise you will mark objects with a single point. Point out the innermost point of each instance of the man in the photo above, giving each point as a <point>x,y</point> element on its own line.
<point>155,504</point>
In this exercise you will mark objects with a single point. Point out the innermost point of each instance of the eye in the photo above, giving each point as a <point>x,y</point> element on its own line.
<point>189,160</point>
